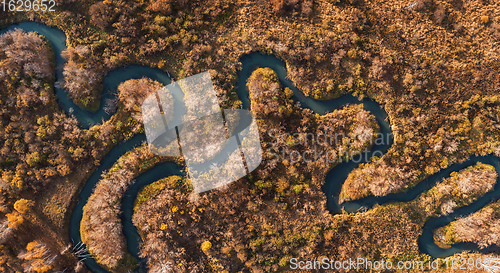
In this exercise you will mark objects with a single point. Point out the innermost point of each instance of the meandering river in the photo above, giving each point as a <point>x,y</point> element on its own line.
<point>334,179</point>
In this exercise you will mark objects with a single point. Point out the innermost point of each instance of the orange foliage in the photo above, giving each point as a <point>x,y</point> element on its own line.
<point>23,206</point>
<point>39,257</point>
<point>15,219</point>
<point>161,6</point>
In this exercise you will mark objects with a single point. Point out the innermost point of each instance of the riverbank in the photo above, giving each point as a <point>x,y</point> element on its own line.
<point>438,115</point>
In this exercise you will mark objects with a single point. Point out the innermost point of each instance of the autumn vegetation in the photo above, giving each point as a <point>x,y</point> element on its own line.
<point>480,228</point>
<point>432,65</point>
<point>460,189</point>
<point>80,79</point>
<point>101,214</point>
<point>26,76</point>
<point>35,151</point>
<point>44,154</point>
<point>133,92</point>
<point>38,258</point>
<point>101,225</point>
<point>177,226</point>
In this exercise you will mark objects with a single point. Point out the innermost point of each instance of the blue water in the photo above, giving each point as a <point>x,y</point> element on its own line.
<point>334,179</point>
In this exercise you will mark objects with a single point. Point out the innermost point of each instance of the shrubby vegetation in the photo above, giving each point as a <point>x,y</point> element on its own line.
<point>80,77</point>
<point>270,235</point>
<point>472,132</point>
<point>330,48</point>
<point>431,65</point>
<point>133,92</point>
<point>391,231</point>
<point>158,252</point>
<point>103,206</point>
<point>256,223</point>
<point>44,154</point>
<point>270,103</point>
<point>101,213</point>
<point>480,228</point>
<point>101,225</point>
<point>38,258</point>
<point>336,47</point>
<point>153,189</point>
<point>375,179</point>
<point>292,155</point>
<point>35,141</point>
<point>34,138</point>
<point>460,189</point>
